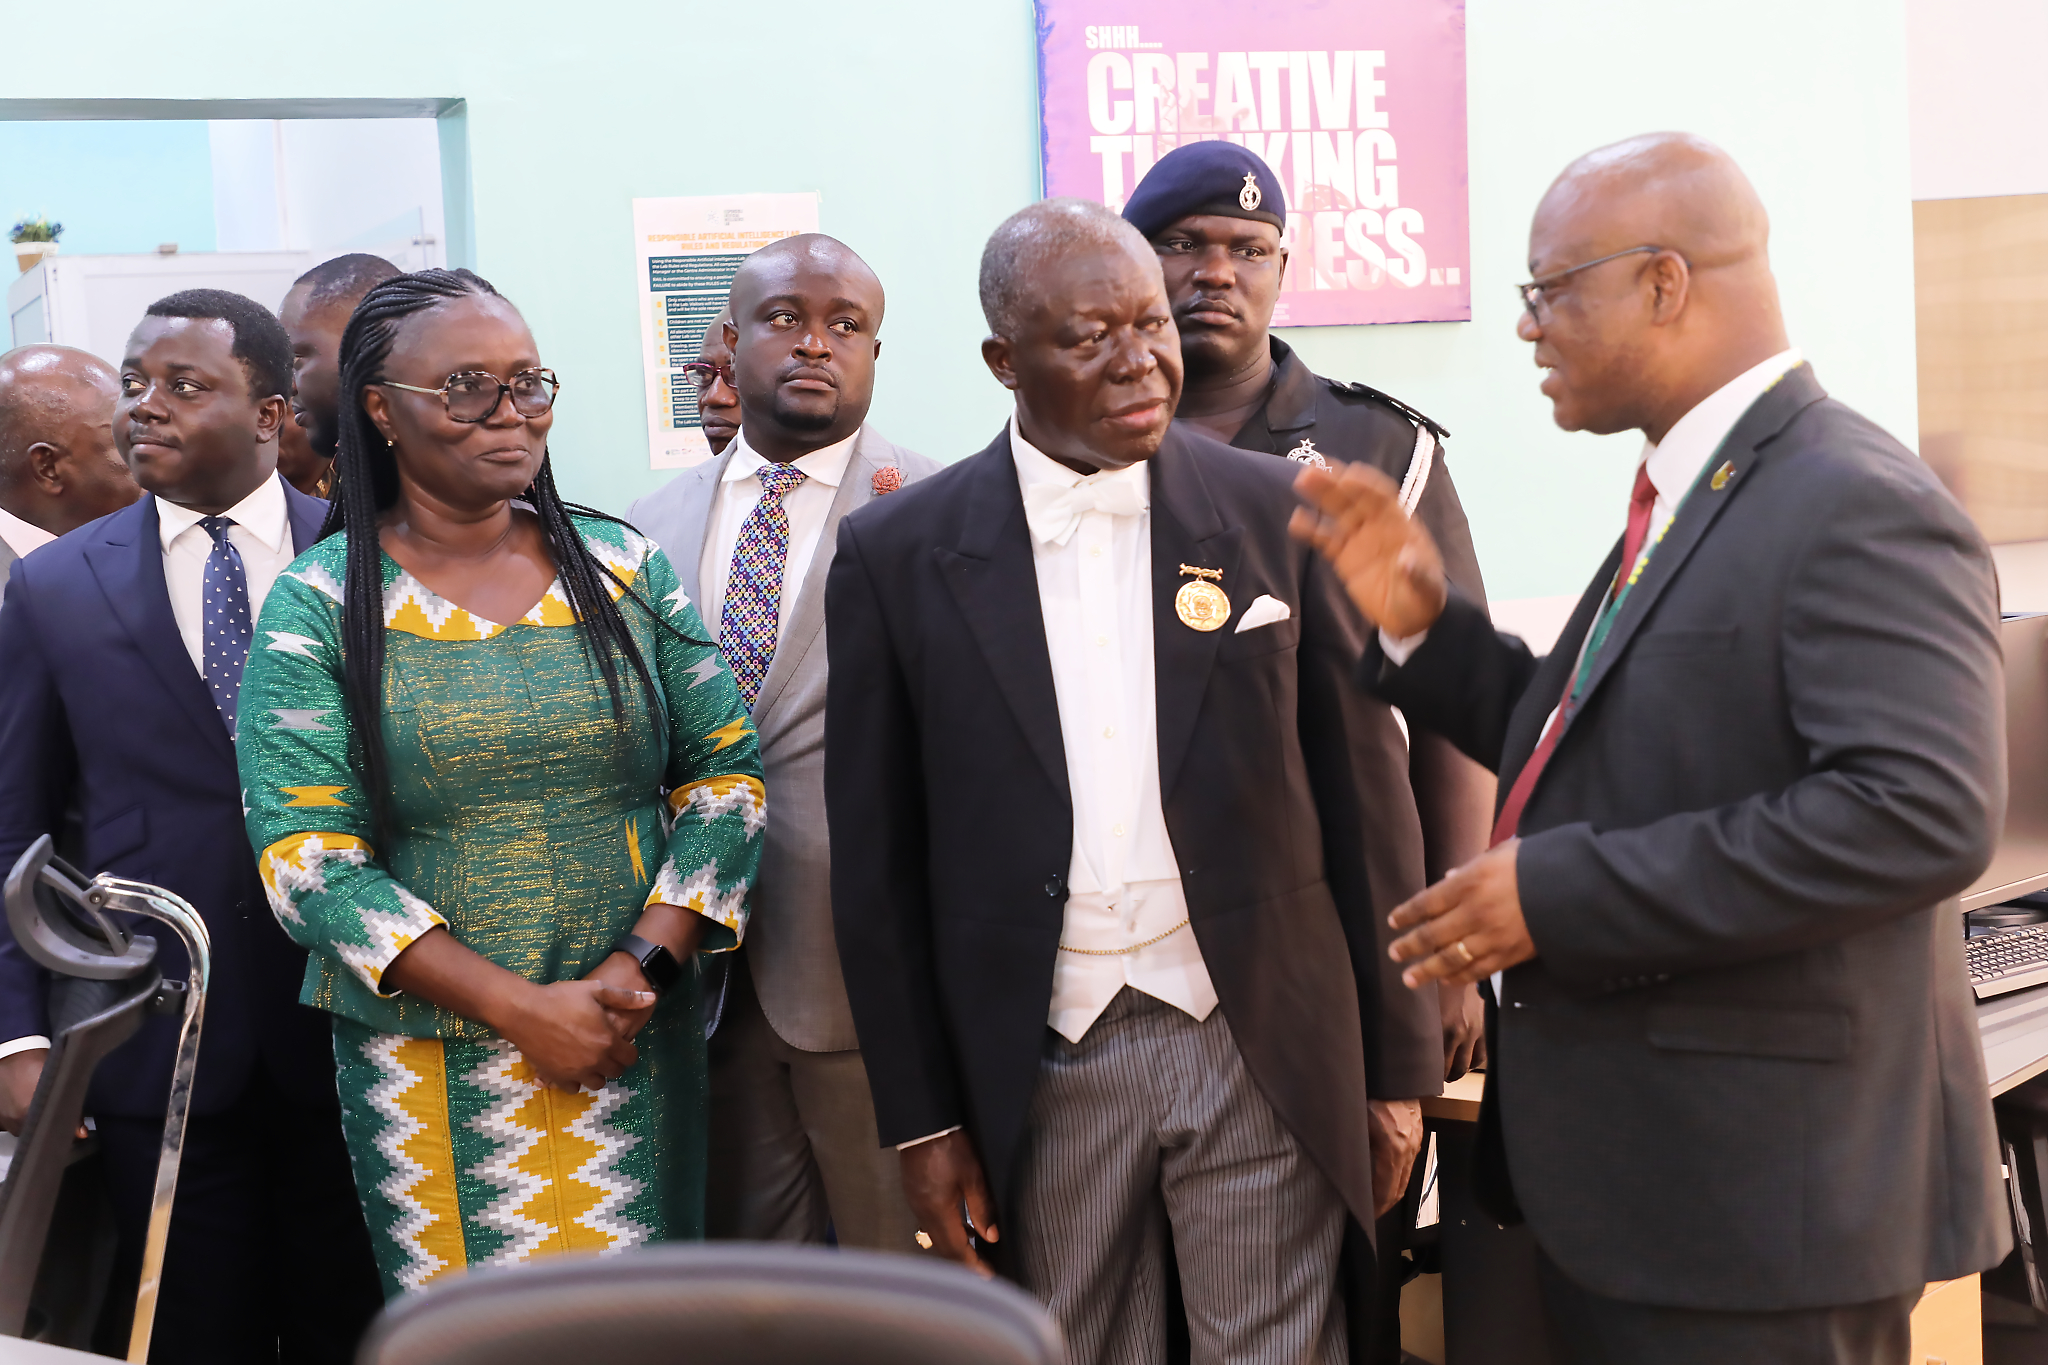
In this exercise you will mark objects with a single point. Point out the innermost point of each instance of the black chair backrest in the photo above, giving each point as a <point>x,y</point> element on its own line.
<point>112,979</point>
<point>723,1303</point>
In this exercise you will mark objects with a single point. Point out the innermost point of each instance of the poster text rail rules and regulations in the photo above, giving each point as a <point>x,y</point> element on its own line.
<point>687,251</point>
<point>1359,109</point>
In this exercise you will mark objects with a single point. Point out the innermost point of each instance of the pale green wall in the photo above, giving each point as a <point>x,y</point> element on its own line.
<point>917,123</point>
<point>87,177</point>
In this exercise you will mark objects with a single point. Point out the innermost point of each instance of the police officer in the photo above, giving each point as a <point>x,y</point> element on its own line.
<point>1215,213</point>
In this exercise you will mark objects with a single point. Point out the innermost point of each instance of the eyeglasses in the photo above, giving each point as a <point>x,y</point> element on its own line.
<point>704,374</point>
<point>1532,292</point>
<point>473,395</point>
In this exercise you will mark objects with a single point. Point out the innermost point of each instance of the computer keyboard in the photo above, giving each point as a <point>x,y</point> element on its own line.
<point>2008,960</point>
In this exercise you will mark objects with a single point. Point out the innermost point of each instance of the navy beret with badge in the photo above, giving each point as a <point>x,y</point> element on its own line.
<point>1219,178</point>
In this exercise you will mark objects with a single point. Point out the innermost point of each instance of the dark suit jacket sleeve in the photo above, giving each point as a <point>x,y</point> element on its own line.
<point>1462,682</point>
<point>1356,764</point>
<point>881,906</point>
<point>35,768</point>
<point>1889,633</point>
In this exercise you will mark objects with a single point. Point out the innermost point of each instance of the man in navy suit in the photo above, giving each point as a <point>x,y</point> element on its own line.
<point>124,643</point>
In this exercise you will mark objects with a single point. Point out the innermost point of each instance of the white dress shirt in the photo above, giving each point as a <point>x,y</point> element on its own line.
<point>1675,463</point>
<point>21,536</point>
<point>807,505</point>
<point>262,532</point>
<point>1123,882</point>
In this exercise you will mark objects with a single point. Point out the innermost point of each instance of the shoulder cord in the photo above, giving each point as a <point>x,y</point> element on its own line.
<point>1419,464</point>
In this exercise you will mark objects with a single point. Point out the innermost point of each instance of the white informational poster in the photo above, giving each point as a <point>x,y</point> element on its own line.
<point>688,250</point>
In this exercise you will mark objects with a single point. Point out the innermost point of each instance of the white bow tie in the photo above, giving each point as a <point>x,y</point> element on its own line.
<point>1054,513</point>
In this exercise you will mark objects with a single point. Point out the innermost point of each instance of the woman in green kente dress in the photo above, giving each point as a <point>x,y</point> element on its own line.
<point>470,700</point>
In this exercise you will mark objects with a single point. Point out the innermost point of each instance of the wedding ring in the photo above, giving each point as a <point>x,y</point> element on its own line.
<point>1464,953</point>
<point>924,1239</point>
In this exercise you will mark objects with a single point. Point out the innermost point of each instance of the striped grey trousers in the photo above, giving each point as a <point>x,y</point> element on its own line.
<point>1152,1120</point>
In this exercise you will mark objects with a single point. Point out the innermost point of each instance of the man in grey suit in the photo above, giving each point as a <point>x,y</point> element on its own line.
<point>751,533</point>
<point>59,468</point>
<point>1736,1074</point>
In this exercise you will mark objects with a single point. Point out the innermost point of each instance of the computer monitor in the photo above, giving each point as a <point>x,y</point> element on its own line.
<point>2021,863</point>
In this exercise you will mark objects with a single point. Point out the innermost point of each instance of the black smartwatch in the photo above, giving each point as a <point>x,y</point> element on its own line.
<point>657,963</point>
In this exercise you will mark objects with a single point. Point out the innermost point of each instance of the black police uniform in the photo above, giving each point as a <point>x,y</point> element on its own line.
<point>1305,415</point>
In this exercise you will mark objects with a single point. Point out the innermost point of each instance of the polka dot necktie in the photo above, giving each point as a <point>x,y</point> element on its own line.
<point>753,592</point>
<point>226,619</point>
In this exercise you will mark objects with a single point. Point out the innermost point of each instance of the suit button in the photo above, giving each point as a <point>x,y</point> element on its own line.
<point>1055,884</point>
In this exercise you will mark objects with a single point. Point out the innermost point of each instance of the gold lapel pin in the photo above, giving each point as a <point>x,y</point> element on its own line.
<point>1201,605</point>
<point>1723,475</point>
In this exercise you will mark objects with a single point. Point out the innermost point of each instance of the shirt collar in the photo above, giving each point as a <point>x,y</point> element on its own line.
<point>1674,463</point>
<point>264,514</point>
<point>826,464</point>
<point>1035,466</point>
<point>22,536</point>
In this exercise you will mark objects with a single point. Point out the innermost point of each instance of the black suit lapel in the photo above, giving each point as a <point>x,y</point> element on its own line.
<point>127,559</point>
<point>993,578</point>
<point>1186,529</point>
<point>1719,484</point>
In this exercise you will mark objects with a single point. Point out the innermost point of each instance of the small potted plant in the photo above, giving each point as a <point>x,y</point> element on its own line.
<point>34,238</point>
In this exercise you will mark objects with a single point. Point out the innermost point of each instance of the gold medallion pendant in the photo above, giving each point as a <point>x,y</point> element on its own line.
<point>1201,605</point>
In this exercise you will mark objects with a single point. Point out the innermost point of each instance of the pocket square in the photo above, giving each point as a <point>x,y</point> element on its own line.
<point>1264,611</point>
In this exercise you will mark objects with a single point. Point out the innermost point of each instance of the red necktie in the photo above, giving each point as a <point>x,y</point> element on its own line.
<point>1640,503</point>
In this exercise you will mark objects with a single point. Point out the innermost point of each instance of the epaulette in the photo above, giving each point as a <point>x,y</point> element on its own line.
<point>1368,391</point>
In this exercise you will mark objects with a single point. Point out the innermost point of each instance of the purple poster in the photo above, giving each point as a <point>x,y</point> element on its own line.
<point>1359,109</point>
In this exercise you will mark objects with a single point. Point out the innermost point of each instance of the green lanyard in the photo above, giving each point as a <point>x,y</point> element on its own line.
<point>1618,594</point>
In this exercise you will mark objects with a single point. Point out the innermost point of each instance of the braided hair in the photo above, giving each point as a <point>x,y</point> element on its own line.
<point>367,486</point>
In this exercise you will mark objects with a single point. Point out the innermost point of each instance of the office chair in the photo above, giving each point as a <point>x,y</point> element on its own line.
<point>107,981</point>
<point>724,1303</point>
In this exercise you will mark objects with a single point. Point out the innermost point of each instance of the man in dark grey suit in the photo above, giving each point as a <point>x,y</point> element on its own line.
<point>1736,1074</point>
<point>793,1138</point>
<point>59,468</point>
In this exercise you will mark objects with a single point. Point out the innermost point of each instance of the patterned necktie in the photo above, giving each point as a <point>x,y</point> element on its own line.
<point>225,613</point>
<point>753,592</point>
<point>1640,503</point>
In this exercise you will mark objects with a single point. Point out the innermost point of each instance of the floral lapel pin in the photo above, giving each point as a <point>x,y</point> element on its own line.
<point>887,480</point>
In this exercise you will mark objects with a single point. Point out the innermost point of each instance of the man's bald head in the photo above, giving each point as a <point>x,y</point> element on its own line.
<point>58,464</point>
<point>1021,251</point>
<point>1082,333</point>
<point>806,314</point>
<point>1668,189</point>
<point>1637,341</point>
<point>773,266</point>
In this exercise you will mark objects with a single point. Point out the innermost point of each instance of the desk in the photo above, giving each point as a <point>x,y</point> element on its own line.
<point>2014,1029</point>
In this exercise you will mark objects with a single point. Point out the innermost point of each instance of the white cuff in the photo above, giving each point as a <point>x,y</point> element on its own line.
<point>928,1137</point>
<point>27,1044</point>
<point>1399,651</point>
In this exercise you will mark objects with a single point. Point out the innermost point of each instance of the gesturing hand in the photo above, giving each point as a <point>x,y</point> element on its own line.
<point>1467,926</point>
<point>1385,560</point>
<point>941,1177</point>
<point>569,1035</point>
